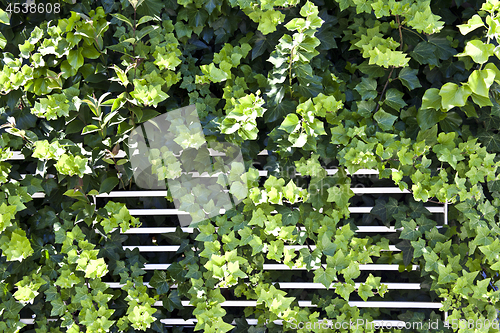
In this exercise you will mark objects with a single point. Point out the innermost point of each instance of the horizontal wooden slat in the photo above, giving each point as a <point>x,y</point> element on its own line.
<point>150,212</point>
<point>164,193</point>
<point>251,322</point>
<point>359,304</point>
<point>174,248</point>
<point>17,155</point>
<point>304,285</point>
<point>156,193</point>
<point>283,267</point>
<point>164,230</point>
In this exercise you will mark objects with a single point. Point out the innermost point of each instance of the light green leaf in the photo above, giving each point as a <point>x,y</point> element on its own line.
<point>431,99</point>
<point>290,124</point>
<point>478,51</point>
<point>474,22</point>
<point>3,41</point>
<point>325,277</point>
<point>123,19</point>
<point>452,95</point>
<point>4,17</point>
<point>89,129</point>
<point>480,82</point>
<point>365,292</point>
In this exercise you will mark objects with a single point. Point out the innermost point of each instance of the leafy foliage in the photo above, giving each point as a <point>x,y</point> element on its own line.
<point>408,88</point>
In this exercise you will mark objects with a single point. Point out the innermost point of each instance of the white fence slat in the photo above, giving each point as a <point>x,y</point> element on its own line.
<point>283,267</point>
<point>359,304</point>
<point>174,248</point>
<point>304,285</point>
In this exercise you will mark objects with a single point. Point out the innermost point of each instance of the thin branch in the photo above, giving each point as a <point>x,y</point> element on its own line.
<point>416,33</point>
<point>400,34</point>
<point>385,87</point>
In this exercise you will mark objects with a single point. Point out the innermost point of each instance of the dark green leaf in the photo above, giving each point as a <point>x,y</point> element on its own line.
<point>429,117</point>
<point>159,282</point>
<point>409,79</point>
<point>407,250</point>
<point>108,184</point>
<point>490,140</point>
<point>424,53</point>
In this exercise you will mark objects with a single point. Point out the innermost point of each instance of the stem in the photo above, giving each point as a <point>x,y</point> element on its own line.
<point>400,34</point>
<point>416,33</point>
<point>133,46</point>
<point>290,70</point>
<point>487,42</point>
<point>383,90</point>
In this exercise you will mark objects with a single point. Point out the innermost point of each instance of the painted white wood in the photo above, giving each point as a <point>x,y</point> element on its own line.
<point>283,267</point>
<point>302,285</point>
<point>174,248</point>
<point>359,304</point>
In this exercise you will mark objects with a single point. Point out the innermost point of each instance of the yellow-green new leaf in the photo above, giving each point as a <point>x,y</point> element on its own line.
<point>452,95</point>
<point>474,22</point>
<point>478,51</point>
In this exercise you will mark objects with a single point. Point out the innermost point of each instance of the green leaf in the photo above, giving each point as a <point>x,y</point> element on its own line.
<point>344,290</point>
<point>147,18</point>
<point>89,129</point>
<point>490,140</point>
<point>410,232</point>
<point>239,190</point>
<point>213,73</point>
<point>325,277</point>
<point>446,274</point>
<point>385,120</point>
<point>427,118</point>
<point>429,135</point>
<point>4,17</point>
<point>452,95</point>
<point>159,281</point>
<point>108,184</point>
<point>276,112</point>
<point>444,51</point>
<point>409,79</point>
<point>149,7</point>
<point>365,292</point>
<point>299,141</point>
<point>365,108</point>
<point>311,259</point>
<point>407,249</point>
<point>431,99</point>
<point>58,307</point>
<point>480,82</point>
<point>75,58</point>
<point>340,195</point>
<point>124,19</point>
<point>17,246</point>
<point>290,124</point>
<point>424,53</point>
<point>478,51</point>
<point>474,22</point>
<point>367,88</point>
<point>3,41</point>
<point>96,268</point>
<point>394,99</point>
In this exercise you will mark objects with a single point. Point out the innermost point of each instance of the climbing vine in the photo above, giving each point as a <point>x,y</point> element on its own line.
<point>407,88</point>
